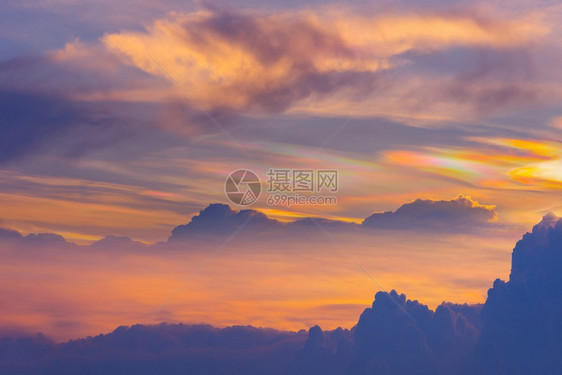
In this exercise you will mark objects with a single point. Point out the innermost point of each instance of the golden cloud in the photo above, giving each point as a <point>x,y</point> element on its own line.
<point>274,62</point>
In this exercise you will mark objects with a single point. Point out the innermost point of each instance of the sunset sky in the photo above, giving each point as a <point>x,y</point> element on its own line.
<point>125,118</point>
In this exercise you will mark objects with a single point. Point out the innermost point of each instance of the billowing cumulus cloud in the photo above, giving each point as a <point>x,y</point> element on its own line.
<point>459,213</point>
<point>141,349</point>
<point>217,219</point>
<point>221,219</point>
<point>384,337</point>
<point>8,234</point>
<point>515,329</point>
<point>33,239</point>
<point>401,336</point>
<point>521,317</point>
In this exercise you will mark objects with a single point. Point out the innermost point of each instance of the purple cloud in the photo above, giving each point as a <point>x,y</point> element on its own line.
<point>461,213</point>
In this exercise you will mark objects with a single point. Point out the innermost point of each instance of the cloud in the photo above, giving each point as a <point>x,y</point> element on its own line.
<point>217,219</point>
<point>8,234</point>
<point>92,94</point>
<point>384,338</point>
<point>461,213</point>
<point>240,61</point>
<point>402,336</point>
<point>521,317</point>
<point>273,62</point>
<point>325,352</point>
<point>33,239</point>
<point>537,256</point>
<point>77,99</point>
<point>113,242</point>
<point>80,71</point>
<point>55,241</point>
<point>27,120</point>
<point>515,329</point>
<point>142,349</point>
<point>508,163</point>
<point>20,350</point>
<point>221,219</point>
<point>34,124</point>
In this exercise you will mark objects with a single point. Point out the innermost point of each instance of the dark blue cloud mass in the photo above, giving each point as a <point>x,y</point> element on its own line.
<point>33,239</point>
<point>517,331</point>
<point>522,329</point>
<point>456,214</point>
<point>461,214</point>
<point>221,219</point>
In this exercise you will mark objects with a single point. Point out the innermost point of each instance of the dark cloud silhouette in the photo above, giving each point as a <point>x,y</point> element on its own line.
<point>56,241</point>
<point>325,352</point>
<point>461,213</point>
<point>45,238</point>
<point>170,349</point>
<point>9,235</point>
<point>517,331</point>
<point>522,330</point>
<point>385,339</point>
<point>219,218</point>
<point>19,350</point>
<point>117,242</point>
<point>32,239</point>
<point>400,336</point>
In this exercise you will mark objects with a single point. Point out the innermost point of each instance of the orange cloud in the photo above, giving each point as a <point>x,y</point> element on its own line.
<point>274,62</point>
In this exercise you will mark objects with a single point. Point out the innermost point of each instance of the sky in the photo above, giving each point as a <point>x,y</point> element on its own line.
<point>126,118</point>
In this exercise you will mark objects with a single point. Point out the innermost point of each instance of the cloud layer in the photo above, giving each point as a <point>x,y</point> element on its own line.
<point>461,212</point>
<point>272,62</point>
<point>521,317</point>
<point>515,331</point>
